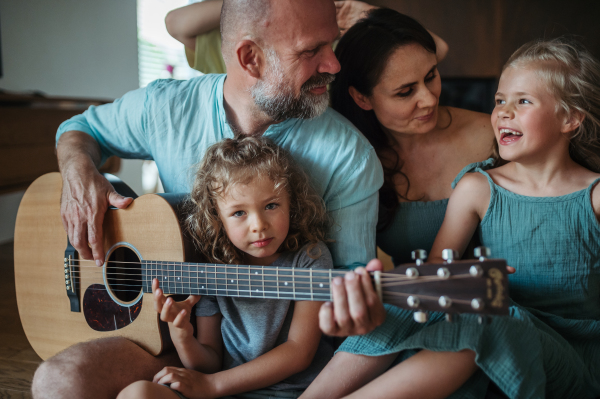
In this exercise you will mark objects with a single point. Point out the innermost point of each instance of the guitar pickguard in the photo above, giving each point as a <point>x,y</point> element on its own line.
<point>103,314</point>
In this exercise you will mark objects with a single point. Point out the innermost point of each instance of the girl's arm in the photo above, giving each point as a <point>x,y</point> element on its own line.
<point>287,359</point>
<point>283,361</point>
<point>203,353</point>
<point>187,22</point>
<point>467,206</point>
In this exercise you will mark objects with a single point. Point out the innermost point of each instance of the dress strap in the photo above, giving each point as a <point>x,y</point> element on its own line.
<point>589,205</point>
<point>473,167</point>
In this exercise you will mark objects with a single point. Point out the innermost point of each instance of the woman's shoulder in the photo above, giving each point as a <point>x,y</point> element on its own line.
<point>471,122</point>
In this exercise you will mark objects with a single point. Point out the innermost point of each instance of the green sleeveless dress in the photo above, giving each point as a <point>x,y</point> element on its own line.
<point>549,345</point>
<point>416,224</point>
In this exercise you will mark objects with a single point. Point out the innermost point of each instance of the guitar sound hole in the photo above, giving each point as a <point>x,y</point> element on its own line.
<point>124,274</point>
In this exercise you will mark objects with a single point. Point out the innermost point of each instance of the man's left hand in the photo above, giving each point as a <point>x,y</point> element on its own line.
<point>356,308</point>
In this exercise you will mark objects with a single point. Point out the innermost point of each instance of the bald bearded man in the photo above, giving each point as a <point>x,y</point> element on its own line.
<point>279,61</point>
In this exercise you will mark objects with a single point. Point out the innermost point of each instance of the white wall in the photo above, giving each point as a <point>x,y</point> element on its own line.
<point>83,48</point>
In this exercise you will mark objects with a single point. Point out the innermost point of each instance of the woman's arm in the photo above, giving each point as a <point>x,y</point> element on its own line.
<point>187,22</point>
<point>349,12</point>
<point>466,207</point>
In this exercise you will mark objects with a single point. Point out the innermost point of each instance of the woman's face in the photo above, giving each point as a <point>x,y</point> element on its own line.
<point>406,98</point>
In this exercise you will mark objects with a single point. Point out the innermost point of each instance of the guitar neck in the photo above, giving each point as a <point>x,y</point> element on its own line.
<point>266,282</point>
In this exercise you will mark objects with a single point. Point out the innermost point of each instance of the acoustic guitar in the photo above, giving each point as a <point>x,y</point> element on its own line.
<point>63,300</point>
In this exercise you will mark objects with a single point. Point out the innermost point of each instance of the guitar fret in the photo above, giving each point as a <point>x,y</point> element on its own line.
<point>263,282</point>
<point>312,296</point>
<point>277,283</point>
<point>294,282</point>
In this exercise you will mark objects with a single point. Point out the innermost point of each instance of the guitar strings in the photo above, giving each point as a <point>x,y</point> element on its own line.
<point>433,298</point>
<point>386,275</point>
<point>391,280</point>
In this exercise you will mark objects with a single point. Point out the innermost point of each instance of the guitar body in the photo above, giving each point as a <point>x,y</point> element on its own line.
<point>148,228</point>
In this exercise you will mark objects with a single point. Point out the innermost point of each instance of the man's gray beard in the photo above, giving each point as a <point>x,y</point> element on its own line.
<point>274,96</point>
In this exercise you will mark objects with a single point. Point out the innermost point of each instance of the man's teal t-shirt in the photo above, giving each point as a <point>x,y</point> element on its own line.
<point>173,122</point>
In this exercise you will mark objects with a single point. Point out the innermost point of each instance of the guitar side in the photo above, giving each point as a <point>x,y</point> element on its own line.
<point>149,225</point>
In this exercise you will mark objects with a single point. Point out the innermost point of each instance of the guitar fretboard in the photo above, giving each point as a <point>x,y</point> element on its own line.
<point>239,281</point>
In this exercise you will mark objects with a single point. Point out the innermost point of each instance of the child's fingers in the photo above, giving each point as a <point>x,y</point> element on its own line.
<point>159,300</point>
<point>181,320</point>
<point>510,269</point>
<point>155,284</point>
<point>169,310</point>
<point>161,374</point>
<point>192,300</point>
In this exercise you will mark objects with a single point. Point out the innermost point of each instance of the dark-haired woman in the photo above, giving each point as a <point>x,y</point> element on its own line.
<point>389,87</point>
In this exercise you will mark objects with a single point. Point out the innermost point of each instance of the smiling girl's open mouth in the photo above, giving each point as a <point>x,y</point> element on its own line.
<point>509,136</point>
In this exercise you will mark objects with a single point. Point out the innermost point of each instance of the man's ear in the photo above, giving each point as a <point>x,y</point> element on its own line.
<point>572,121</point>
<point>360,99</point>
<point>250,57</point>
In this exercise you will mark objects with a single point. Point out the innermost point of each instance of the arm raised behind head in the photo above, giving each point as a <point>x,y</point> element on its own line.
<point>185,23</point>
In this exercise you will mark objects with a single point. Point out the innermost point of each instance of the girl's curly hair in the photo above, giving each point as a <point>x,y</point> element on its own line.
<point>240,161</point>
<point>572,75</point>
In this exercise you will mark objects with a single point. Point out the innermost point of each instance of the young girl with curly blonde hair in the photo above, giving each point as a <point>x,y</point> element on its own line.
<point>250,204</point>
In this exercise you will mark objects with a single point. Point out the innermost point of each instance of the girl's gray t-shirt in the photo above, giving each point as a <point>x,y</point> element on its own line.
<point>251,327</point>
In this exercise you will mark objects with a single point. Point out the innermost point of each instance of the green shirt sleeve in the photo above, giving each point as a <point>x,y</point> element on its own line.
<point>207,58</point>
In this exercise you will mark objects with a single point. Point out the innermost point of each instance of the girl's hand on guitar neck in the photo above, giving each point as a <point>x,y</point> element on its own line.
<point>177,314</point>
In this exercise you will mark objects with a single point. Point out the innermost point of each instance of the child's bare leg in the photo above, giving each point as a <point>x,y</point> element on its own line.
<point>426,375</point>
<point>346,373</point>
<point>147,390</point>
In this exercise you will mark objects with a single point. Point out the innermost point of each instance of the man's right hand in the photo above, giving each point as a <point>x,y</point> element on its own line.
<point>86,195</point>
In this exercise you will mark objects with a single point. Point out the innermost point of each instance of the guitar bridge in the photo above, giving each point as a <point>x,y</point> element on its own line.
<point>71,280</point>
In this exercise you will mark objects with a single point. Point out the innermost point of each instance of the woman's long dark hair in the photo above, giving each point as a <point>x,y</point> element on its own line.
<point>363,53</point>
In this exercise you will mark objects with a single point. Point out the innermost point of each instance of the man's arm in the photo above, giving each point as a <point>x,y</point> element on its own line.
<point>356,308</point>
<point>83,143</point>
<point>187,22</point>
<point>86,194</point>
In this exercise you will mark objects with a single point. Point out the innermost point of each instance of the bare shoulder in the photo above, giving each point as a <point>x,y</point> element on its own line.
<point>472,194</point>
<point>473,184</point>
<point>471,121</point>
<point>474,130</point>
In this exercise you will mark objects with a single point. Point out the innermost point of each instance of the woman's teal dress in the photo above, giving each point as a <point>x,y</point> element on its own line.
<point>416,224</point>
<point>549,346</point>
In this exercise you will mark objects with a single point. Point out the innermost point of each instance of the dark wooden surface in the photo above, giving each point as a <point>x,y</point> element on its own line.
<point>28,125</point>
<point>482,34</point>
<point>18,360</point>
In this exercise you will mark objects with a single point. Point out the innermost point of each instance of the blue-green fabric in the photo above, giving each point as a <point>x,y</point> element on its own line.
<point>551,352</point>
<point>173,122</point>
<point>416,224</point>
